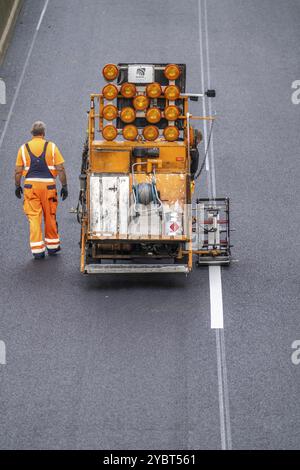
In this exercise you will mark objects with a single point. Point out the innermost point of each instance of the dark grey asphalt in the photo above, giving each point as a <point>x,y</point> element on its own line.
<point>254,61</point>
<point>116,362</point>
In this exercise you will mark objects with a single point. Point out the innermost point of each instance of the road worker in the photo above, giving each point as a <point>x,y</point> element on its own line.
<point>39,162</point>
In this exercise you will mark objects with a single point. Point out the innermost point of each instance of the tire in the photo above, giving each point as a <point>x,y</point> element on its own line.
<point>194,161</point>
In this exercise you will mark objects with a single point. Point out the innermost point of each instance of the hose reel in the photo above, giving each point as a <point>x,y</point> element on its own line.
<point>145,193</point>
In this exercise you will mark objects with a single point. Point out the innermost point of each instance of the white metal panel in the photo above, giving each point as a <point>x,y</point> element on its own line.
<point>112,211</point>
<point>136,224</point>
<point>123,204</point>
<point>155,223</point>
<point>109,204</point>
<point>173,220</point>
<point>95,203</point>
<point>147,224</point>
<point>109,199</point>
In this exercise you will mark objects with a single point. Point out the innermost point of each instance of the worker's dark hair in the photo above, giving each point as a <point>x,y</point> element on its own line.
<point>38,128</point>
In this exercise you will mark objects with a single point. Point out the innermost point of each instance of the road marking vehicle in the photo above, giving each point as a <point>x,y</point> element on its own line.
<point>138,176</point>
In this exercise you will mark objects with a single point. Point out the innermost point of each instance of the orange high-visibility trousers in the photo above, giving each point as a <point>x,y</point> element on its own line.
<point>40,202</point>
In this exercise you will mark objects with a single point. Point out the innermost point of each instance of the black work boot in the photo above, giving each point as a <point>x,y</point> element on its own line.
<point>39,255</point>
<point>53,251</point>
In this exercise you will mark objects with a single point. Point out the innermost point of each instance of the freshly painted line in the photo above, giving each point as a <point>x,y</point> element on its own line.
<point>215,276</point>
<point>225,389</point>
<point>221,393</point>
<point>220,335</point>
<point>2,92</point>
<point>2,353</point>
<point>225,427</point>
<point>216,299</point>
<point>210,155</point>
<point>22,74</point>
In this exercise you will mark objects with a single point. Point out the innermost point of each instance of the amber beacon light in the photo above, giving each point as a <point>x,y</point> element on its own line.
<point>153,115</point>
<point>150,132</point>
<point>110,92</point>
<point>154,90</point>
<point>128,90</point>
<point>172,72</point>
<point>171,133</point>
<point>109,132</point>
<point>110,112</point>
<point>172,92</point>
<point>130,132</point>
<point>127,114</point>
<point>110,72</point>
<point>141,102</point>
<point>172,113</point>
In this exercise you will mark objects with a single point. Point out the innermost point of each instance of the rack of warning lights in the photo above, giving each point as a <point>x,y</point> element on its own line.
<point>141,96</point>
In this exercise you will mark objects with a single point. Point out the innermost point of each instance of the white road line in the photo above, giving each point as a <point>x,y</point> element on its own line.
<point>2,353</point>
<point>215,290</point>
<point>42,15</point>
<point>202,81</point>
<point>22,74</point>
<point>216,299</point>
<point>221,393</point>
<point>212,159</point>
<point>215,279</point>
<point>226,390</point>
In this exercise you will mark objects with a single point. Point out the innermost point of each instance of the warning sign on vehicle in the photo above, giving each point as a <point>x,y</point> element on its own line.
<point>173,228</point>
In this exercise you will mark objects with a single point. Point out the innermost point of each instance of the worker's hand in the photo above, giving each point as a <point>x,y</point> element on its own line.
<point>64,192</point>
<point>19,192</point>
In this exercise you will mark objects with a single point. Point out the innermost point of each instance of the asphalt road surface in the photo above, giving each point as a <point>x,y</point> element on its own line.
<point>131,362</point>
